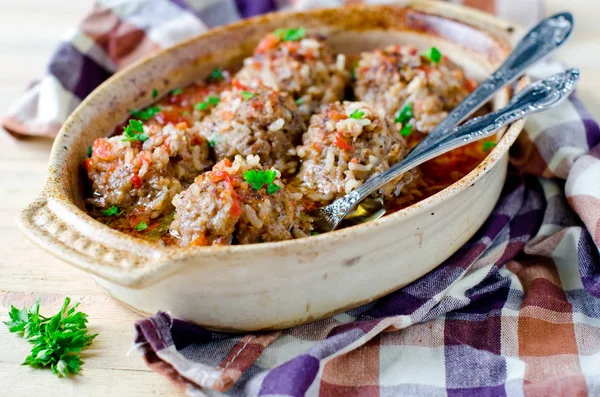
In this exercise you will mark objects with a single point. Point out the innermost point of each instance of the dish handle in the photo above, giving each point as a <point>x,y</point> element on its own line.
<point>66,234</point>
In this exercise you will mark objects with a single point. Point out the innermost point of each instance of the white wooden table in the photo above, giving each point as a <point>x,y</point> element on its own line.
<point>29,30</point>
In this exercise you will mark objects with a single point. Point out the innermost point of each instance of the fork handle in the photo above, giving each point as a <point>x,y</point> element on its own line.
<point>544,38</point>
<point>536,97</point>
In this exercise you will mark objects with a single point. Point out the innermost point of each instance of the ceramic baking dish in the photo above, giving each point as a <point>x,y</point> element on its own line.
<point>274,285</point>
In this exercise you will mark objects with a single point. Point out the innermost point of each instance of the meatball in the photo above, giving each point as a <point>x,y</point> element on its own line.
<point>304,66</point>
<point>231,204</point>
<point>344,146</point>
<point>142,174</point>
<point>261,122</point>
<point>398,78</point>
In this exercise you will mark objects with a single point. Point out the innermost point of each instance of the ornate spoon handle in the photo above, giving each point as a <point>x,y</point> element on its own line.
<point>538,96</point>
<point>548,35</point>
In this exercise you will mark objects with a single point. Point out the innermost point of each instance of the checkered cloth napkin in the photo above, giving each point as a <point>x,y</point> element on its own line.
<point>516,311</point>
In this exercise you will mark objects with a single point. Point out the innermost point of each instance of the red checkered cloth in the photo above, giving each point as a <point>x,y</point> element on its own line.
<point>516,311</point>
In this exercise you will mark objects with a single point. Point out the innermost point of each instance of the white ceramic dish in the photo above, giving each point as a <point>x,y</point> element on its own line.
<point>274,285</point>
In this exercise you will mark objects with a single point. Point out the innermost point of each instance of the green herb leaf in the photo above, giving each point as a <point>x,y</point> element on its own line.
<point>112,210</point>
<point>314,233</point>
<point>259,178</point>
<point>210,101</point>
<point>141,226</point>
<point>299,101</point>
<point>406,130</point>
<point>433,54</point>
<point>89,152</point>
<point>56,340</point>
<point>134,132</point>
<point>212,142</point>
<point>145,114</point>
<point>488,145</point>
<point>405,114</point>
<point>216,74</point>
<point>290,34</point>
<point>357,114</point>
<point>177,91</point>
<point>154,93</point>
<point>247,95</point>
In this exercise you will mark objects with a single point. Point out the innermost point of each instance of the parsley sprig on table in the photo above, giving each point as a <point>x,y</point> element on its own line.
<point>259,178</point>
<point>56,340</point>
<point>134,132</point>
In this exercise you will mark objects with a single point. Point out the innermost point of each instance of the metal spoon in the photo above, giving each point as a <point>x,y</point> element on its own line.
<point>545,37</point>
<point>536,97</point>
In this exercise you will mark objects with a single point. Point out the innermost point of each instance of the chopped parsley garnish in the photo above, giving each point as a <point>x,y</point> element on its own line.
<point>299,101</point>
<point>488,145</point>
<point>210,101</point>
<point>261,239</point>
<point>314,233</point>
<point>405,114</point>
<point>56,340</point>
<point>89,152</point>
<point>213,141</point>
<point>154,93</point>
<point>290,34</point>
<point>141,226</point>
<point>357,114</point>
<point>433,54</point>
<point>258,178</point>
<point>247,95</point>
<point>177,91</point>
<point>112,210</point>
<point>216,74</point>
<point>406,130</point>
<point>135,132</point>
<point>145,114</point>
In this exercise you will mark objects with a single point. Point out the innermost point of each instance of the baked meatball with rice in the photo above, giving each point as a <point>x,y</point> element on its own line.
<point>141,170</point>
<point>345,145</point>
<point>417,89</point>
<point>240,202</point>
<point>303,65</point>
<point>256,121</point>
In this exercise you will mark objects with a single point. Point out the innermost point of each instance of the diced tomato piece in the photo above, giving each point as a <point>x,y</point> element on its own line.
<point>267,43</point>
<point>425,68</point>
<point>340,142</point>
<point>87,163</point>
<point>236,84</point>
<point>136,180</point>
<point>336,115</point>
<point>101,149</point>
<point>236,210</point>
<point>200,241</point>
<point>182,125</point>
<point>169,117</point>
<point>197,140</point>
<point>218,176</point>
<point>470,85</point>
